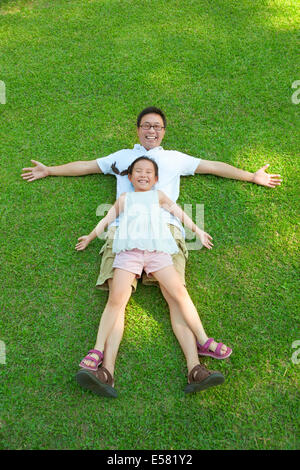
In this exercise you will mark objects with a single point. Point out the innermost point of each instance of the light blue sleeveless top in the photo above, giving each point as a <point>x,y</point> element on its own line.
<point>142,225</point>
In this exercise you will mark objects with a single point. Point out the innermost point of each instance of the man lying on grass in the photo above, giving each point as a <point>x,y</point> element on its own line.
<point>143,241</point>
<point>151,128</point>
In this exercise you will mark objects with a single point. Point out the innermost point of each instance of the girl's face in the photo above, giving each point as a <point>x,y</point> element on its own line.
<point>143,176</point>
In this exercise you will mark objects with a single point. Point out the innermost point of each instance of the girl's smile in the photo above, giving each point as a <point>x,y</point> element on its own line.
<point>143,176</point>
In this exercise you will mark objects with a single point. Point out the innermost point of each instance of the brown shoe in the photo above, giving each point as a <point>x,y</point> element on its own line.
<point>201,378</point>
<point>99,382</point>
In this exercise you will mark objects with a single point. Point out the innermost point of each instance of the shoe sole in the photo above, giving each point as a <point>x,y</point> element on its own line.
<point>89,382</point>
<point>211,381</point>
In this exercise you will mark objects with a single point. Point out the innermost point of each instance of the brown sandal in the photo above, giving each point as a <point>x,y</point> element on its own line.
<point>99,382</point>
<point>201,378</point>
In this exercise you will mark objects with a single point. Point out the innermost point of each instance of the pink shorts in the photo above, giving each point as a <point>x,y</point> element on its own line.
<point>136,260</point>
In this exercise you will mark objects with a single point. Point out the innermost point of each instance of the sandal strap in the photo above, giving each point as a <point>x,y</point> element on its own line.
<point>91,358</point>
<point>101,375</point>
<point>206,345</point>
<point>95,351</point>
<point>198,373</point>
<point>218,349</point>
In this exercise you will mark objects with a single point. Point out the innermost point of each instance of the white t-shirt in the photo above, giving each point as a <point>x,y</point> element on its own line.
<point>171,165</point>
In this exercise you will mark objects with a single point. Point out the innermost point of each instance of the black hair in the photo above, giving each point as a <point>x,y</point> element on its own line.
<point>130,168</point>
<point>154,110</point>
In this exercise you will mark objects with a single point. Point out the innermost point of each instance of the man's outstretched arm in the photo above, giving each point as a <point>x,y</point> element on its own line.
<point>227,171</point>
<point>79,168</point>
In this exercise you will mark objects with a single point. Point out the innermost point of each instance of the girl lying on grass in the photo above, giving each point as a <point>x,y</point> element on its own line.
<point>144,241</point>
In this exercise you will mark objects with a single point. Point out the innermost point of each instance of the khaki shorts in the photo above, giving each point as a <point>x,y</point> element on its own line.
<point>107,270</point>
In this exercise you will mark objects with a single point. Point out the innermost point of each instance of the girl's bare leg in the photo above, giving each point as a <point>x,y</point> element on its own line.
<point>111,325</point>
<point>170,281</point>
<point>182,331</point>
<point>114,339</point>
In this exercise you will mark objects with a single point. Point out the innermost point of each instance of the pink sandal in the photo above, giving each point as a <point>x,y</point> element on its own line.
<point>90,358</point>
<point>204,350</point>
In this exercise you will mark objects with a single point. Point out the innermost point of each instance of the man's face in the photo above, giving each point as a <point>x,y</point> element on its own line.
<point>150,138</point>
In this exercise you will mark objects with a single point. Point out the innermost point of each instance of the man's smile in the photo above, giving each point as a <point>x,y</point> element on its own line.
<point>151,137</point>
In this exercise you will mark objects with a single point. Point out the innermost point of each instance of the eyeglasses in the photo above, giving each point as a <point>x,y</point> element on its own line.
<point>146,126</point>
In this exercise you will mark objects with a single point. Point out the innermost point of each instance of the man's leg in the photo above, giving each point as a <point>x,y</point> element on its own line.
<point>106,266</point>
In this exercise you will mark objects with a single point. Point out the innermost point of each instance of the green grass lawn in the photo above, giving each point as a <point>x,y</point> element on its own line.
<point>77,73</point>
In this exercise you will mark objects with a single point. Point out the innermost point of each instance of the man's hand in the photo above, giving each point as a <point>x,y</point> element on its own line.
<point>265,179</point>
<point>69,169</point>
<point>83,243</point>
<point>36,172</point>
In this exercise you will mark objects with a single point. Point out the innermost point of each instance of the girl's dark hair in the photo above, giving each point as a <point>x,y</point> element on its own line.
<point>151,110</point>
<point>130,168</point>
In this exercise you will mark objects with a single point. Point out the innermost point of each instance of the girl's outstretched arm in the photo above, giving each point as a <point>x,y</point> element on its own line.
<point>169,205</point>
<point>111,215</point>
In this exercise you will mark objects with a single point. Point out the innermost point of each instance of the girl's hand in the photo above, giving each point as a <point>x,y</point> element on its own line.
<point>83,243</point>
<point>205,239</point>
